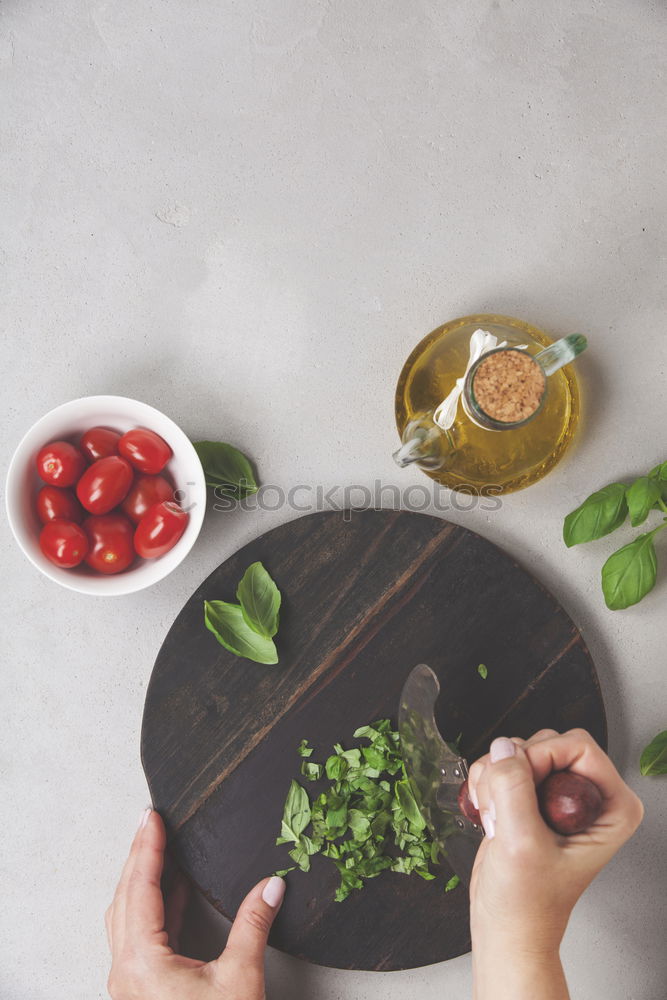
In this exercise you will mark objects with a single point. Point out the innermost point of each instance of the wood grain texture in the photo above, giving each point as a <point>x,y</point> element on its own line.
<point>364,600</point>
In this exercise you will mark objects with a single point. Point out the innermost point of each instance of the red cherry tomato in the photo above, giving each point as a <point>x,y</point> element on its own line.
<point>52,503</point>
<point>147,451</point>
<point>146,491</point>
<point>60,463</point>
<point>159,529</point>
<point>105,484</point>
<point>64,543</point>
<point>99,442</point>
<point>110,538</point>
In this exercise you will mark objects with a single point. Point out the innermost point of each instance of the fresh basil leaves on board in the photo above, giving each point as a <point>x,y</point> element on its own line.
<point>630,572</point>
<point>247,628</point>
<point>365,820</point>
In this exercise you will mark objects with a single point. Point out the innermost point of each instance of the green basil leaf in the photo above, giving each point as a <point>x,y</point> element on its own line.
<point>374,756</point>
<point>641,496</point>
<point>232,631</point>
<point>407,803</point>
<point>353,757</point>
<point>654,757</point>
<point>260,600</point>
<point>296,813</point>
<point>284,871</point>
<point>425,874</point>
<point>630,573</point>
<point>659,472</point>
<point>482,671</point>
<point>301,857</point>
<point>311,772</point>
<point>226,467</point>
<point>303,749</point>
<point>598,515</point>
<point>452,884</point>
<point>336,767</point>
<point>359,824</point>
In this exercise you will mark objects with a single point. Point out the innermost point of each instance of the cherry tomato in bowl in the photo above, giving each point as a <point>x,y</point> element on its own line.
<point>105,484</point>
<point>159,529</point>
<point>54,502</point>
<point>145,449</point>
<point>110,539</point>
<point>145,492</point>
<point>60,463</point>
<point>99,442</point>
<point>64,543</point>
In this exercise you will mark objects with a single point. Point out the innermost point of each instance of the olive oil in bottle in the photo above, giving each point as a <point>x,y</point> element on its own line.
<point>443,425</point>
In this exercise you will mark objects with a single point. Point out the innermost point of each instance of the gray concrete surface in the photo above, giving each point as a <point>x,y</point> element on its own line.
<point>246,214</point>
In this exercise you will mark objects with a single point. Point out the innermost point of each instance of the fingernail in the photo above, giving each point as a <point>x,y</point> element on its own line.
<point>473,797</point>
<point>273,891</point>
<point>489,825</point>
<point>501,748</point>
<point>144,817</point>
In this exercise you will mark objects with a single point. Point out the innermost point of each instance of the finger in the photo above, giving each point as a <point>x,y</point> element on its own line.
<point>507,795</point>
<point>477,769</point>
<point>144,905</point>
<point>250,930</point>
<point>577,751</point>
<point>117,915</point>
<point>541,734</point>
<point>174,908</point>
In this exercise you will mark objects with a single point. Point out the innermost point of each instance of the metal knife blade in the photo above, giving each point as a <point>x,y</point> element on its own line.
<point>436,772</point>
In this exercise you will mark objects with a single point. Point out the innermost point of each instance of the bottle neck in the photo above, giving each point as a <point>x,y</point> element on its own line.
<point>424,444</point>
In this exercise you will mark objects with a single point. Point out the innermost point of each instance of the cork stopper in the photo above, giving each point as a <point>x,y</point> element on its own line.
<point>508,386</point>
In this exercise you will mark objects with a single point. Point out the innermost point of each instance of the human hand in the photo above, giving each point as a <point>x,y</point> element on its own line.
<point>526,878</point>
<point>145,965</point>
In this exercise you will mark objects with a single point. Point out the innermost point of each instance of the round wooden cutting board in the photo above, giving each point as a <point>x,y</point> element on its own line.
<point>365,596</point>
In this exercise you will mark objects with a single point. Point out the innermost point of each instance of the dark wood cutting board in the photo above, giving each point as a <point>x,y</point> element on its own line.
<point>365,597</point>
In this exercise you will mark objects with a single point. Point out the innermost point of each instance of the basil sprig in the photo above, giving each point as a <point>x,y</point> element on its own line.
<point>654,757</point>
<point>365,820</point>
<point>247,628</point>
<point>598,515</point>
<point>260,600</point>
<point>226,469</point>
<point>630,572</point>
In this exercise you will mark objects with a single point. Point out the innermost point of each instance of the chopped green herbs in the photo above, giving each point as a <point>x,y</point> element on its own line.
<point>452,884</point>
<point>366,820</point>
<point>482,671</point>
<point>247,628</point>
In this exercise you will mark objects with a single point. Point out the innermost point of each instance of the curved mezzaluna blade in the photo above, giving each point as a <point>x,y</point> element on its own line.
<point>436,772</point>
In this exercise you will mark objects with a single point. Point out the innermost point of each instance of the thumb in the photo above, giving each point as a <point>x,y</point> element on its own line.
<point>512,798</point>
<point>250,930</point>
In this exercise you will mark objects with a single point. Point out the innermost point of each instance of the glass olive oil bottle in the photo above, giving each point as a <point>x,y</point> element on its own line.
<point>473,450</point>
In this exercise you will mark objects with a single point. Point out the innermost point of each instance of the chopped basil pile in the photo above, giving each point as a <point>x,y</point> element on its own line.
<point>366,820</point>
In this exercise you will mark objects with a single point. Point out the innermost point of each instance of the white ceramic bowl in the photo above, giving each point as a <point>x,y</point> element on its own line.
<point>69,421</point>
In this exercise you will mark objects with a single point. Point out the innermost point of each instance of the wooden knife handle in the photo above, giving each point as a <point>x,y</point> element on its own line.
<point>569,803</point>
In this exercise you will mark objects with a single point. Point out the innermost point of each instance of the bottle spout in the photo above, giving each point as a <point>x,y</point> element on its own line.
<point>409,452</point>
<point>561,352</point>
<point>424,444</point>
